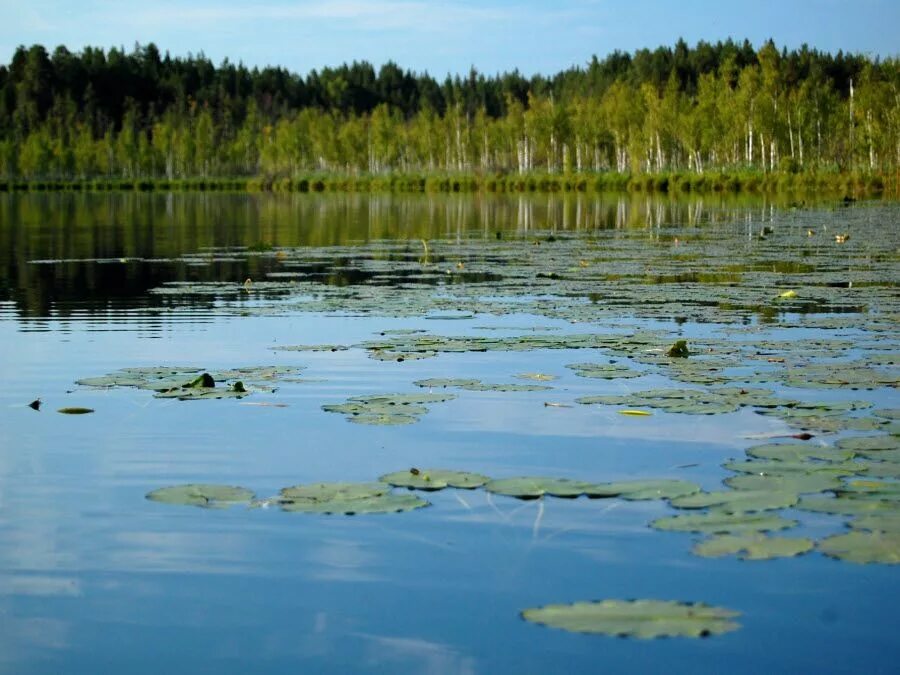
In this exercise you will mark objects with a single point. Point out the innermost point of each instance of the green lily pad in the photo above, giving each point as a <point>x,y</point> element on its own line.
<point>75,410</point>
<point>203,495</point>
<point>387,503</point>
<point>636,618</point>
<point>888,521</point>
<point>797,483</point>
<point>870,489</point>
<point>387,409</point>
<point>797,452</point>
<point>434,479</point>
<point>384,419</point>
<point>442,382</point>
<point>635,490</point>
<point>346,498</point>
<point>869,443</point>
<point>400,357</point>
<point>863,547</point>
<point>325,492</point>
<point>752,547</point>
<point>880,469</point>
<point>532,487</point>
<point>604,371</point>
<point>538,377</point>
<point>737,501</point>
<point>311,348</point>
<point>202,393</point>
<point>777,468</point>
<point>723,523</point>
<point>845,505</point>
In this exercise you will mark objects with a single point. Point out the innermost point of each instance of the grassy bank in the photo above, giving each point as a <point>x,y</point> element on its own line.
<point>856,184</point>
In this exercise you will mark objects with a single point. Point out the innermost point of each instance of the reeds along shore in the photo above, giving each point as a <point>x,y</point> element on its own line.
<point>851,185</point>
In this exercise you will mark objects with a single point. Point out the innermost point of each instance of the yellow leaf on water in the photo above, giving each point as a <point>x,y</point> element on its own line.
<point>635,413</point>
<point>788,294</point>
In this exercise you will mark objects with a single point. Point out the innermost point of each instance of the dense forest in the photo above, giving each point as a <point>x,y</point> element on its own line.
<point>723,106</point>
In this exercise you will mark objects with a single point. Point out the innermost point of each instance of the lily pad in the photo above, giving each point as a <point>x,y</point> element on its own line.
<point>604,371</point>
<point>387,409</point>
<point>737,501</point>
<point>636,618</point>
<point>388,503</point>
<point>636,490</point>
<point>863,547</point>
<point>869,443</point>
<point>723,523</point>
<point>797,483</point>
<point>752,547</point>
<point>888,521</point>
<point>845,505</point>
<point>798,452</point>
<point>434,479</point>
<point>538,377</point>
<point>203,495</point>
<point>75,410</point>
<point>346,498</point>
<point>532,487</point>
<point>762,467</point>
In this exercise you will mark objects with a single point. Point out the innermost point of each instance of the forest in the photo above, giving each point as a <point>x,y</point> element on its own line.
<point>728,106</point>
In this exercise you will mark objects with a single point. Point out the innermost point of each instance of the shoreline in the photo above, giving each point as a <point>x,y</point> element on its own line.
<point>737,182</point>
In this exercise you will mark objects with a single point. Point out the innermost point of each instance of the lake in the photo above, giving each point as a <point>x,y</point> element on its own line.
<point>507,336</point>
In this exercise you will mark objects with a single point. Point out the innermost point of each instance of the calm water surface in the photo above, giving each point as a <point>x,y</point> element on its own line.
<point>95,578</point>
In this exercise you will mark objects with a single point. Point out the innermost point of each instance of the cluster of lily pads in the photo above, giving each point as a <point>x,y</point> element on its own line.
<point>191,383</point>
<point>386,409</point>
<point>789,278</point>
<point>776,476</point>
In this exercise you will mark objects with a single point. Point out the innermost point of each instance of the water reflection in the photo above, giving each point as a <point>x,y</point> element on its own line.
<point>101,253</point>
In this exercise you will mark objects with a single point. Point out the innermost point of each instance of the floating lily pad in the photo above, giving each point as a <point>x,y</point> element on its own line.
<point>870,489</point>
<point>532,487</point>
<point>434,479</point>
<point>324,492</point>
<point>845,505</point>
<point>636,618</point>
<point>477,385</point>
<point>752,547</point>
<point>538,377</point>
<point>797,452</point>
<point>188,383</point>
<point>311,348</point>
<point>761,467</point>
<point>399,357</point>
<point>723,523</point>
<point>388,503</point>
<point>869,443</point>
<point>347,498</point>
<point>604,371</point>
<point>203,495</point>
<point>387,409</point>
<point>442,382</point>
<point>888,521</point>
<point>635,490</point>
<point>737,501</point>
<point>863,547</point>
<point>75,410</point>
<point>797,483</point>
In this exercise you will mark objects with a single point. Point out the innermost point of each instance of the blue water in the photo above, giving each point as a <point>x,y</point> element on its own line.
<point>95,578</point>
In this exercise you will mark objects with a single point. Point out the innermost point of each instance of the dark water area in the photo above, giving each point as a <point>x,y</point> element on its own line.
<point>793,305</point>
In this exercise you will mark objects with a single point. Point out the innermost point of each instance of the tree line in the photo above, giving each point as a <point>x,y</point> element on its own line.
<point>722,106</point>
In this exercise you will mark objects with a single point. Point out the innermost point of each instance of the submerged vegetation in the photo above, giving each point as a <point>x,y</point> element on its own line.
<point>722,116</point>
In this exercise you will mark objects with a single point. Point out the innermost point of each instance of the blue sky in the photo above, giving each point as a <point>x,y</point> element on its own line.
<point>442,36</point>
